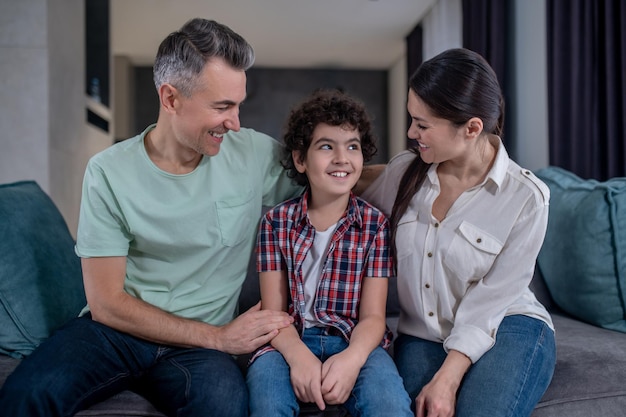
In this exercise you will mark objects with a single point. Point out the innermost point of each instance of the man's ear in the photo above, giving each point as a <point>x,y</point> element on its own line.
<point>168,96</point>
<point>298,161</point>
<point>473,127</point>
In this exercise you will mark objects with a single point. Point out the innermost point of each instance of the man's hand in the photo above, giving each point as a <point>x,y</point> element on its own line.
<point>251,330</point>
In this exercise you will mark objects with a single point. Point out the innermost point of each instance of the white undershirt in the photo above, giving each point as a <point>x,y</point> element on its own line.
<point>312,269</point>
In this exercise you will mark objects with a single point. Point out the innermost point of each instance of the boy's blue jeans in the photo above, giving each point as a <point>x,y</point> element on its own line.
<point>378,390</point>
<point>507,381</point>
<point>85,362</point>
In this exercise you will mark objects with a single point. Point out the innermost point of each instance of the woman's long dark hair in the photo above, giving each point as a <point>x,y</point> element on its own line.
<point>409,184</point>
<point>455,85</point>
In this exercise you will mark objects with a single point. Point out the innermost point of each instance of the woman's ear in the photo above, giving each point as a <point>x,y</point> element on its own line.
<point>298,161</point>
<point>474,127</point>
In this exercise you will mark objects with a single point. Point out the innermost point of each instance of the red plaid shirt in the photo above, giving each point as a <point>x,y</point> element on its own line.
<point>359,248</point>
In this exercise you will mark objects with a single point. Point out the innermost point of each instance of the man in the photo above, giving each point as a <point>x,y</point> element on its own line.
<point>167,225</point>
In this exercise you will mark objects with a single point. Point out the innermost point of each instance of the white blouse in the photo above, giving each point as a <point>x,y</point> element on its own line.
<point>458,278</point>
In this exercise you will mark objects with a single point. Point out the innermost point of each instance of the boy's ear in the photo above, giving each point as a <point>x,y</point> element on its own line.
<point>298,161</point>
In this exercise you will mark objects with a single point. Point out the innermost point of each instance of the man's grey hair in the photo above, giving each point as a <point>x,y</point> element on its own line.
<point>183,54</point>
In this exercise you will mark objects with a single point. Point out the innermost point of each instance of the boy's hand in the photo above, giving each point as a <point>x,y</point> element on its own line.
<point>339,374</point>
<point>306,379</point>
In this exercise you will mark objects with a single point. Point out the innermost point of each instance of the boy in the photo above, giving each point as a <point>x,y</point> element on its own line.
<point>324,257</point>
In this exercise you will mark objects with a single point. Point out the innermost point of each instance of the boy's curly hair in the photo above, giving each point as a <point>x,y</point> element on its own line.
<point>334,108</point>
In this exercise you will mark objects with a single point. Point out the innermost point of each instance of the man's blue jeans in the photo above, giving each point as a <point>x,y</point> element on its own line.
<point>378,390</point>
<point>85,362</point>
<point>507,381</point>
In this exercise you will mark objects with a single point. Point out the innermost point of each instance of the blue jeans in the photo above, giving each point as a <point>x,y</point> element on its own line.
<point>85,362</point>
<point>507,381</point>
<point>378,390</point>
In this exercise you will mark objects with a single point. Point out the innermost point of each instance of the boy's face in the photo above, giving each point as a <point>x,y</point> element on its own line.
<point>333,162</point>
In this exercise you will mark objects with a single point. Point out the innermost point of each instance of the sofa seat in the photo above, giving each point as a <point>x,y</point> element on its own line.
<point>590,372</point>
<point>588,380</point>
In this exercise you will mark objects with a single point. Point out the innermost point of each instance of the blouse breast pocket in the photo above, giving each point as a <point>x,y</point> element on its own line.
<point>234,217</point>
<point>405,239</point>
<point>471,253</point>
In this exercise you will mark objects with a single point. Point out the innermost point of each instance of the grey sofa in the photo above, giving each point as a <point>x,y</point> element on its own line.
<point>591,360</point>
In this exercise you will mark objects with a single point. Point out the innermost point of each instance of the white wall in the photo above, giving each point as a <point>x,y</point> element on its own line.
<point>44,135</point>
<point>442,29</point>
<point>529,115</point>
<point>24,91</point>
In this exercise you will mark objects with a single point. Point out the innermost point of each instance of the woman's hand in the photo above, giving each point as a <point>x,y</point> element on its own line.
<point>438,397</point>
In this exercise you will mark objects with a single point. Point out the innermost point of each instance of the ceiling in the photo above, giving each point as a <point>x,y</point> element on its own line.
<point>363,34</point>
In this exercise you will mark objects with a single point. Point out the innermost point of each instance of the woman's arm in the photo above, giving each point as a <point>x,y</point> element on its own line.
<point>438,397</point>
<point>485,303</point>
<point>369,174</point>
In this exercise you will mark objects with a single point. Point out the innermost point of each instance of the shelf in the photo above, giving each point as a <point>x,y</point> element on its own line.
<point>98,108</point>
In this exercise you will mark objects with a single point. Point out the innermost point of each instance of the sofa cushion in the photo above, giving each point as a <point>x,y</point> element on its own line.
<point>40,276</point>
<point>583,258</point>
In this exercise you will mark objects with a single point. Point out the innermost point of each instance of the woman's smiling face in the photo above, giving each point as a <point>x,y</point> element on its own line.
<point>438,139</point>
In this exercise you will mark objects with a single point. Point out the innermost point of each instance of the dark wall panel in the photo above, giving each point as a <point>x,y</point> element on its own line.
<point>273,92</point>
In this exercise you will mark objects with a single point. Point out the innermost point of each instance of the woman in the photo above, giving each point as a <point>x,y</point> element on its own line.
<point>467,225</point>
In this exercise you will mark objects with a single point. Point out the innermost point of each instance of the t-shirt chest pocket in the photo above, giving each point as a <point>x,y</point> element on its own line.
<point>471,252</point>
<point>234,217</point>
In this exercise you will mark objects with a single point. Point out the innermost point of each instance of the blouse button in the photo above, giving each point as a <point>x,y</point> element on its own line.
<point>436,224</point>
<point>430,254</point>
<point>430,314</point>
<point>427,285</point>
<point>479,240</point>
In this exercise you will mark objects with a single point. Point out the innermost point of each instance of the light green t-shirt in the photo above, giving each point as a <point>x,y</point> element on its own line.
<point>188,238</point>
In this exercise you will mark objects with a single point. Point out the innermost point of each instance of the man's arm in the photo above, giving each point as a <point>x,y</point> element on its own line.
<point>114,307</point>
<point>368,176</point>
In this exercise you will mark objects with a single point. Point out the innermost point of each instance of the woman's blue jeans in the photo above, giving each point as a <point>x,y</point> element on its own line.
<point>85,362</point>
<point>507,381</point>
<point>378,390</point>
